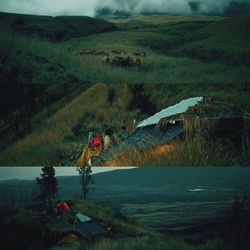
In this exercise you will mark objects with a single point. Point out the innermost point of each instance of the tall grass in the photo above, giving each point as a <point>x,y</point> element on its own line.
<point>146,243</point>
<point>197,148</point>
<point>49,142</point>
<point>59,139</point>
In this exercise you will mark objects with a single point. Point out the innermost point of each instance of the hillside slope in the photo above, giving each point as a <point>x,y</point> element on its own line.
<point>60,138</point>
<point>44,232</point>
<point>217,49</point>
<point>225,41</point>
<point>53,28</point>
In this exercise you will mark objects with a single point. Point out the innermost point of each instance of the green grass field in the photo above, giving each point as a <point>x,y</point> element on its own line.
<point>179,50</point>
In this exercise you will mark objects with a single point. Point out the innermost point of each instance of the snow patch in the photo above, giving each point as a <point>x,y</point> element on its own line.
<point>178,108</point>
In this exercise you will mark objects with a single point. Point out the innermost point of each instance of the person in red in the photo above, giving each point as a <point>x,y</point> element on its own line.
<point>62,207</point>
<point>96,142</point>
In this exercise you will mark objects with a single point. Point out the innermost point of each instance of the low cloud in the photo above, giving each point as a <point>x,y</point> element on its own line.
<point>90,7</point>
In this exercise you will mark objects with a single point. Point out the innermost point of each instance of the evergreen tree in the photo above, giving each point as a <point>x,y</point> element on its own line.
<point>48,185</point>
<point>86,179</point>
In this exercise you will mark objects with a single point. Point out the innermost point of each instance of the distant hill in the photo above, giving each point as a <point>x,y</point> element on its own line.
<point>223,177</point>
<point>225,41</point>
<point>53,28</point>
<point>234,178</point>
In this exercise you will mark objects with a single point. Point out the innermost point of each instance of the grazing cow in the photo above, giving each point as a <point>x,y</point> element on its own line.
<point>136,53</point>
<point>125,61</point>
<point>105,60</point>
<point>89,52</point>
<point>81,53</point>
<point>76,52</point>
<point>136,61</point>
<point>140,53</point>
<point>101,53</point>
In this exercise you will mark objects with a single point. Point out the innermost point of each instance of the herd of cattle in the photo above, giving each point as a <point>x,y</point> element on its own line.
<point>119,59</point>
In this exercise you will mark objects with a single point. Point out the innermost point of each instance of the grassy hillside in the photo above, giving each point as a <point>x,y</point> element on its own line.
<point>179,50</point>
<point>216,57</point>
<point>46,231</point>
<point>39,78</point>
<point>24,230</point>
<point>59,139</point>
<point>53,28</point>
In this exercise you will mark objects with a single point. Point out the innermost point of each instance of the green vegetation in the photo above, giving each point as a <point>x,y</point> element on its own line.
<point>59,139</point>
<point>196,149</point>
<point>86,179</point>
<point>179,50</point>
<point>47,122</point>
<point>37,234</point>
<point>48,185</point>
<point>33,230</point>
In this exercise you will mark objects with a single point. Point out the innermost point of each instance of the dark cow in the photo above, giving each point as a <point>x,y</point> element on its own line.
<point>122,61</point>
<point>126,61</point>
<point>119,51</point>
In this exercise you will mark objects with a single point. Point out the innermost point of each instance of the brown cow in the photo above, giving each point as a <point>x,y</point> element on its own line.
<point>105,60</point>
<point>101,53</point>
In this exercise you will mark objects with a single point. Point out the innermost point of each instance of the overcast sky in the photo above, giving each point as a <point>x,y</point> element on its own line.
<point>7,173</point>
<point>88,7</point>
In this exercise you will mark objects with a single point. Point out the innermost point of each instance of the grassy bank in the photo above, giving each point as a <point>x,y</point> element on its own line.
<point>59,139</point>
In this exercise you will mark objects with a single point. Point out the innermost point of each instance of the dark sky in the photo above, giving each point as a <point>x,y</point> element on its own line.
<point>88,7</point>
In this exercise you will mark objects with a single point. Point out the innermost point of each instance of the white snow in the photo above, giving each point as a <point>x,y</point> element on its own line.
<point>178,108</point>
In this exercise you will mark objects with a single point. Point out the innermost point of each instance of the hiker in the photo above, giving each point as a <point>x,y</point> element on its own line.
<point>107,141</point>
<point>93,148</point>
<point>96,142</point>
<point>124,134</point>
<point>62,208</point>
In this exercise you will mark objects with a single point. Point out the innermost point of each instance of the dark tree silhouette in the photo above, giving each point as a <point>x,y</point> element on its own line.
<point>86,179</point>
<point>48,185</point>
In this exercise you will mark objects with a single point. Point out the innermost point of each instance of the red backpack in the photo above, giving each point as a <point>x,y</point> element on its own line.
<point>96,142</point>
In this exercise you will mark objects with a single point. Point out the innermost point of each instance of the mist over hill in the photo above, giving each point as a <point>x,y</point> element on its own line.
<point>171,7</point>
<point>120,7</point>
